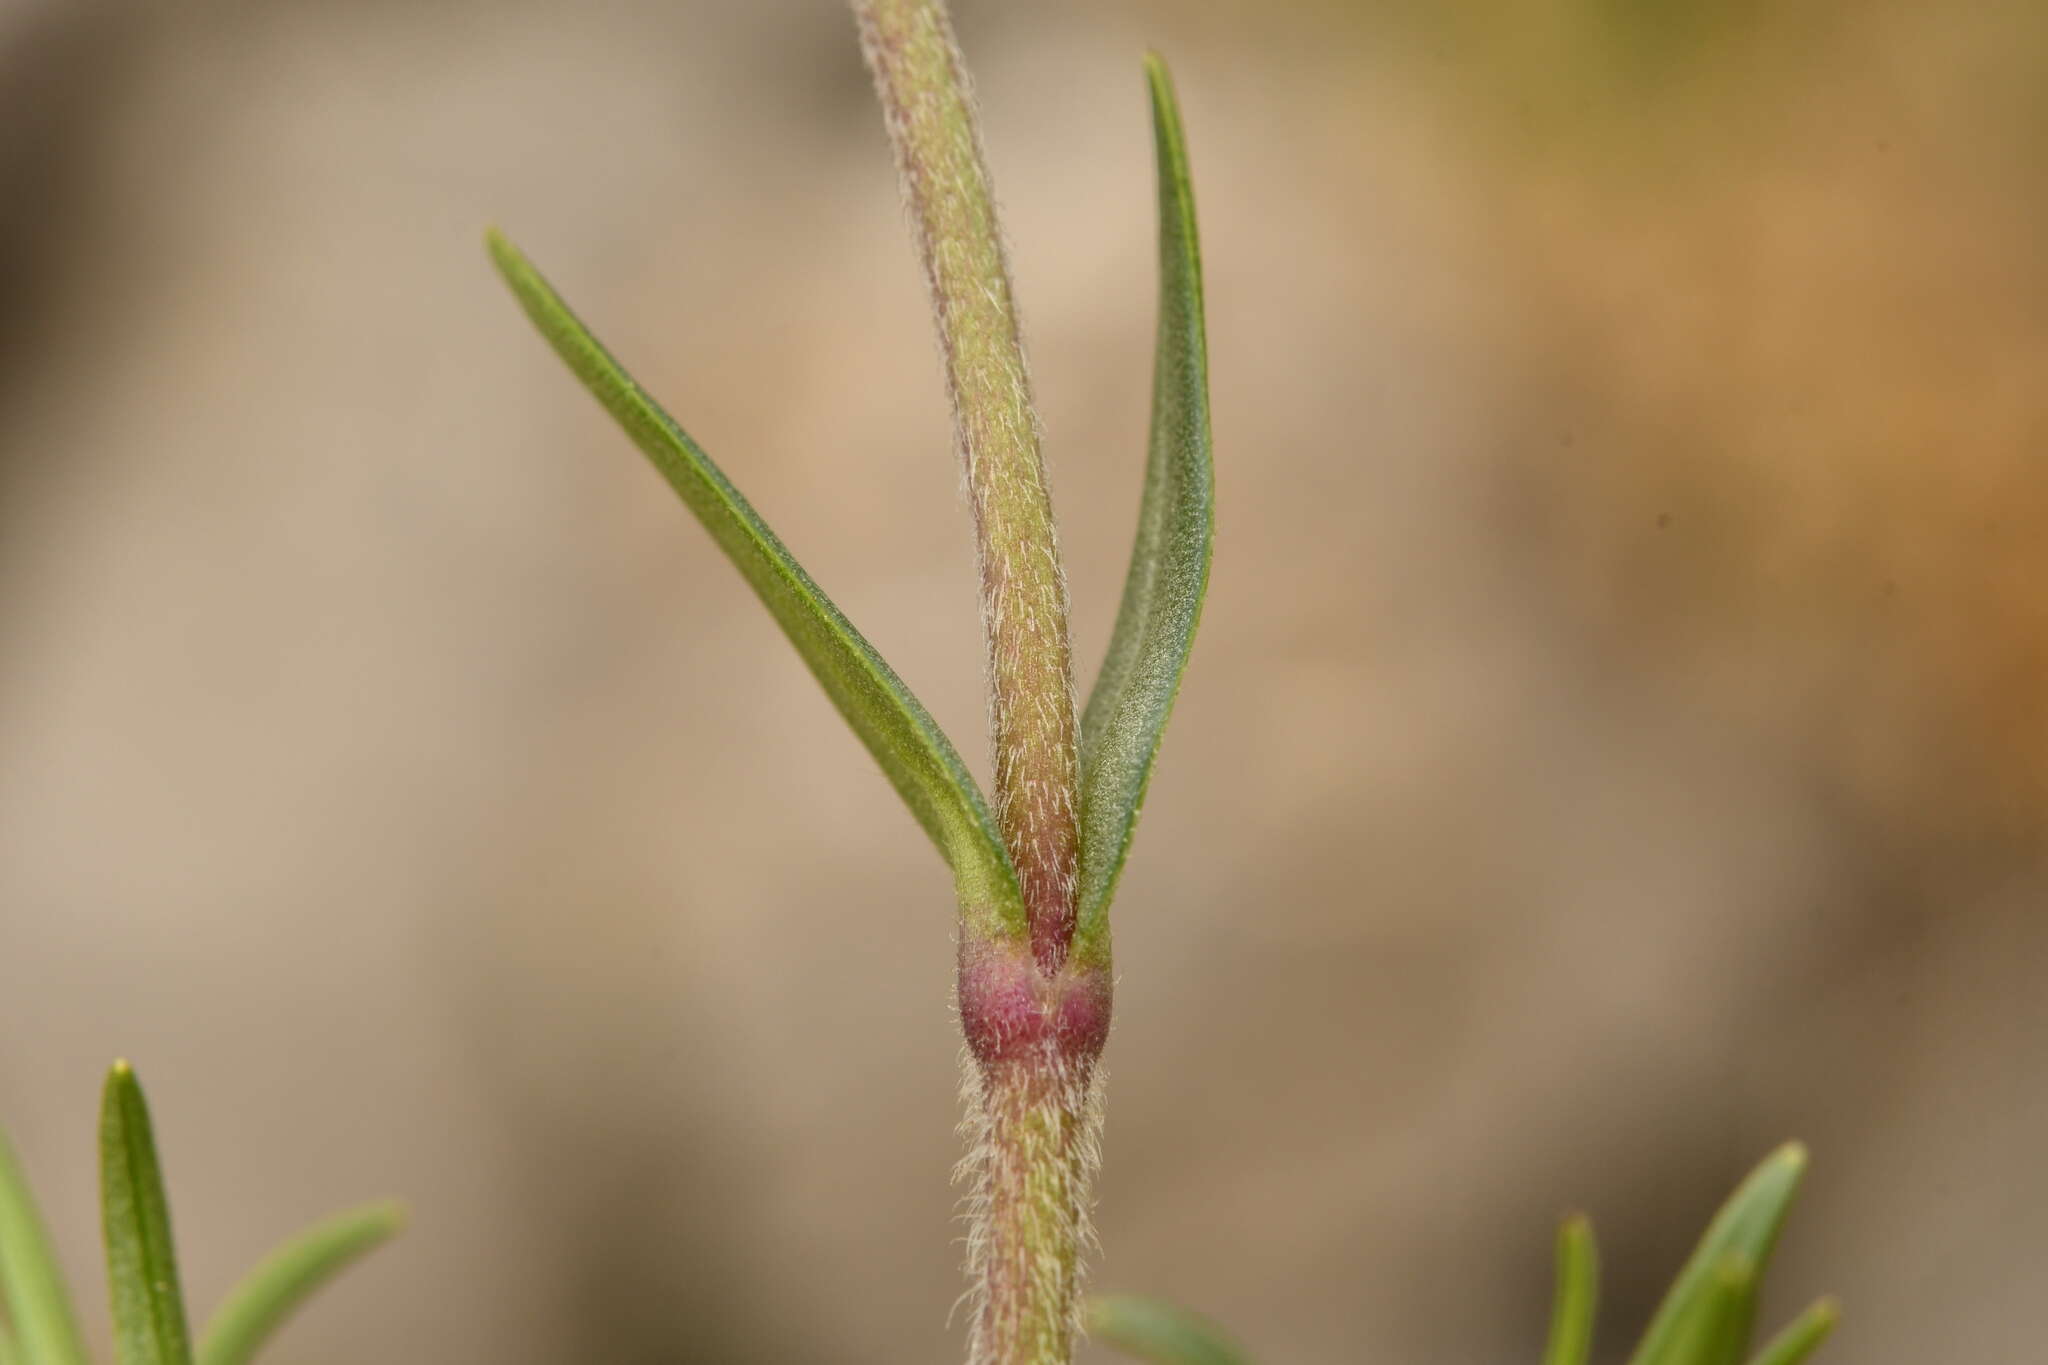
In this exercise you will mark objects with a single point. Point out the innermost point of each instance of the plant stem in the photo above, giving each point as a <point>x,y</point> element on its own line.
<point>923,87</point>
<point>1035,1022</point>
<point>1036,1121</point>
<point>1034,1096</point>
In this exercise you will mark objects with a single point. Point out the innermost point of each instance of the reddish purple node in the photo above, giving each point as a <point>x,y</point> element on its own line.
<point>1009,1009</point>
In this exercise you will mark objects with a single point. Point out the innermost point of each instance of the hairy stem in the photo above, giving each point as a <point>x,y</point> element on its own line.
<point>1035,1022</point>
<point>1035,1127</point>
<point>1034,1119</point>
<point>923,87</point>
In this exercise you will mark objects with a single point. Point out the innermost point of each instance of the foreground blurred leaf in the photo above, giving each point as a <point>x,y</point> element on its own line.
<point>1714,1328</point>
<point>8,1355</point>
<point>288,1276</point>
<point>1720,1278</point>
<point>46,1328</point>
<point>1802,1336</point>
<point>142,1267</point>
<point>1578,1283</point>
<point>919,760</point>
<point>1154,1330</point>
<point>1169,573</point>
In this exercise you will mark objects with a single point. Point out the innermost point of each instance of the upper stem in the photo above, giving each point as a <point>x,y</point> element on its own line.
<point>923,85</point>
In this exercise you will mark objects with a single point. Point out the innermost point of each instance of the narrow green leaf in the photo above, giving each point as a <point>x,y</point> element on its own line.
<point>142,1266</point>
<point>1578,1285</point>
<point>1155,625</point>
<point>1747,1229</point>
<point>37,1301</point>
<point>289,1276</point>
<point>1802,1336</point>
<point>917,757</point>
<point>1154,1330</point>
<point>1714,1328</point>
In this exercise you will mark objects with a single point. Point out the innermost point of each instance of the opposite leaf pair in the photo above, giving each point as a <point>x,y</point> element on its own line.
<point>142,1267</point>
<point>1707,1318</point>
<point>1127,711</point>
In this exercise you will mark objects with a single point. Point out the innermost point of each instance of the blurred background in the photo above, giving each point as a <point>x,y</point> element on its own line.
<point>1617,742</point>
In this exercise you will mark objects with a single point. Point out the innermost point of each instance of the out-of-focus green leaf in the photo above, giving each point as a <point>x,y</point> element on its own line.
<point>142,1265</point>
<point>1578,1285</point>
<point>1154,1330</point>
<point>1802,1336</point>
<point>1737,1243</point>
<point>1714,1328</point>
<point>288,1277</point>
<point>8,1355</point>
<point>1155,626</point>
<point>37,1302</point>
<point>918,759</point>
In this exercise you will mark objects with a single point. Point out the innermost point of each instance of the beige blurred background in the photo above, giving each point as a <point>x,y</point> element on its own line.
<point>1617,740</point>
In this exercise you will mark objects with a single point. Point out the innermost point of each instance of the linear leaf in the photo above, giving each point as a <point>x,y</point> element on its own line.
<point>38,1303</point>
<point>142,1266</point>
<point>1154,1330</point>
<point>917,757</point>
<point>1745,1229</point>
<point>286,1278</point>
<point>1162,602</point>
<point>1802,1336</point>
<point>1578,1285</point>
<point>1715,1325</point>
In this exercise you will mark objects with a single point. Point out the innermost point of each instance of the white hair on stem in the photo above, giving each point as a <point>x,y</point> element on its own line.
<point>1033,1133</point>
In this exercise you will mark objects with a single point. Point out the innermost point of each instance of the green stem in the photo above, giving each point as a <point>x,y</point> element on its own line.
<point>923,87</point>
<point>1038,1122</point>
<point>1034,1023</point>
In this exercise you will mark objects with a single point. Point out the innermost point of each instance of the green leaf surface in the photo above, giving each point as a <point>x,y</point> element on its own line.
<point>142,1266</point>
<point>1154,1330</point>
<point>1162,602</point>
<point>290,1275</point>
<point>1578,1284</point>
<point>1742,1235</point>
<point>1802,1336</point>
<point>1714,1328</point>
<point>917,757</point>
<point>46,1330</point>
<point>8,1354</point>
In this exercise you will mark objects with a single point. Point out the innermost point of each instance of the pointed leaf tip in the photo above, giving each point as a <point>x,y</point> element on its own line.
<point>1802,1336</point>
<point>1168,577</point>
<point>142,1266</point>
<point>1721,1275</point>
<point>1577,1294</point>
<point>916,756</point>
